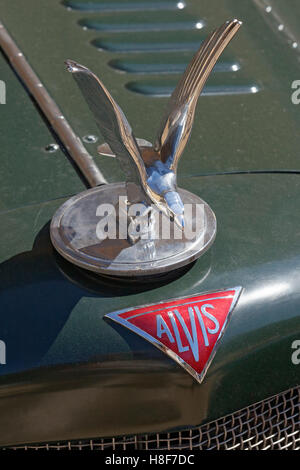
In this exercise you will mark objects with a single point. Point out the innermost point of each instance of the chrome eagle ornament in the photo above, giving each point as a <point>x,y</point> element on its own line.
<point>150,171</point>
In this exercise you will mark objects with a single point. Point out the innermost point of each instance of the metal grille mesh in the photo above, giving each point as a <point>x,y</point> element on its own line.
<point>271,424</point>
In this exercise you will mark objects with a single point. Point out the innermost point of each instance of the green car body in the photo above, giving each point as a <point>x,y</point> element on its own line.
<point>69,373</point>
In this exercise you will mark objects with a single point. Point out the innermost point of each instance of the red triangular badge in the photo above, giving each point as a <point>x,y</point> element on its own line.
<point>187,329</point>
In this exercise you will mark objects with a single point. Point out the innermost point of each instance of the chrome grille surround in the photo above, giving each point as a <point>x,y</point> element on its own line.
<point>273,424</point>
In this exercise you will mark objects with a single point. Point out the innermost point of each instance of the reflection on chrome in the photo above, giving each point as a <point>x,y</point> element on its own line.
<point>151,171</point>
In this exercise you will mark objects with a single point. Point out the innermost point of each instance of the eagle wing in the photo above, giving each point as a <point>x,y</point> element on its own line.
<point>177,124</point>
<point>112,124</point>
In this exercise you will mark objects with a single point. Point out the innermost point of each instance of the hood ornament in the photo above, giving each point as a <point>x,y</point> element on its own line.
<point>102,245</point>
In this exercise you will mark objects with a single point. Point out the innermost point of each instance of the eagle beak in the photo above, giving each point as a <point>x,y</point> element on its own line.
<point>175,208</point>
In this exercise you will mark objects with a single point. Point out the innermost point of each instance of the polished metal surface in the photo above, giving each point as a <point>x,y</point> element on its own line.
<point>56,119</point>
<point>151,171</point>
<point>73,358</point>
<point>74,235</point>
<point>202,345</point>
<point>151,174</point>
<point>176,128</point>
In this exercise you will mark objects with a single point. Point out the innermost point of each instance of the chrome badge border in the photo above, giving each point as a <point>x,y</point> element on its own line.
<point>114,316</point>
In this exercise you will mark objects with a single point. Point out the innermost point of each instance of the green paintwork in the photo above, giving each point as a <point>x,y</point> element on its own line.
<point>28,173</point>
<point>231,133</point>
<point>71,374</point>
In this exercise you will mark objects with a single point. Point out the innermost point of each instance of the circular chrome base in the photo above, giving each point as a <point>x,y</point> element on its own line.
<point>74,235</point>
